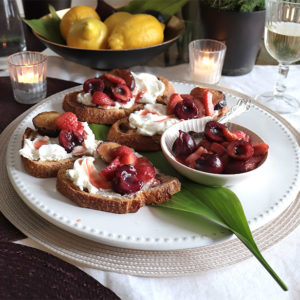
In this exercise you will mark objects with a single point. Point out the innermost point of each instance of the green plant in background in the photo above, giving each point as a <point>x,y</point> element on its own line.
<point>236,5</point>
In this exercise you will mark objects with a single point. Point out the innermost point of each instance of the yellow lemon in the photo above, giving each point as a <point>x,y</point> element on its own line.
<point>115,19</point>
<point>76,13</point>
<point>138,31</point>
<point>89,33</point>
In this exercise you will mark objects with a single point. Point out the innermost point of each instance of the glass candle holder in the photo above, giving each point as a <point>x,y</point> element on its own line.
<point>28,75</point>
<point>206,60</point>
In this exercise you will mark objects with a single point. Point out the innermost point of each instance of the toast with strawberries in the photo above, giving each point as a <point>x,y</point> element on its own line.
<point>142,129</point>
<point>57,141</point>
<point>116,95</point>
<point>128,181</point>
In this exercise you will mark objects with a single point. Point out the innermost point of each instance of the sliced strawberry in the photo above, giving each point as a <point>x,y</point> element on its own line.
<point>66,121</point>
<point>102,99</point>
<point>217,148</point>
<point>121,92</point>
<point>241,135</point>
<point>174,99</point>
<point>109,171</point>
<point>114,79</point>
<point>120,151</point>
<point>229,135</point>
<point>128,159</point>
<point>194,156</point>
<point>205,143</point>
<point>187,96</point>
<point>260,148</point>
<point>201,108</point>
<point>208,103</point>
<point>145,170</point>
<point>80,127</point>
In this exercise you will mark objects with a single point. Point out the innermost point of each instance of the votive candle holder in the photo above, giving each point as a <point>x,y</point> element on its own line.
<point>28,75</point>
<point>206,59</point>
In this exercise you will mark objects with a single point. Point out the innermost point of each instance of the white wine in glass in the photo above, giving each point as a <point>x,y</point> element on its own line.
<point>282,41</point>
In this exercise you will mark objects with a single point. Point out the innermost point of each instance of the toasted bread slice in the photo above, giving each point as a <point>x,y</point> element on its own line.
<point>169,90</point>
<point>92,114</point>
<point>161,191</point>
<point>42,169</point>
<point>122,133</point>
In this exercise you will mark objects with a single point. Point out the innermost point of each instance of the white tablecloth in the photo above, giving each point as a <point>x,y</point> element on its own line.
<point>245,280</point>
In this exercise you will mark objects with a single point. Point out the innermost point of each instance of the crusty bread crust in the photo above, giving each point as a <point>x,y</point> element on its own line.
<point>42,169</point>
<point>120,204</point>
<point>92,114</point>
<point>121,133</point>
<point>169,90</point>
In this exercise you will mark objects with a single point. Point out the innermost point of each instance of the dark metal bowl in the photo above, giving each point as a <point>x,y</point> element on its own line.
<point>109,59</point>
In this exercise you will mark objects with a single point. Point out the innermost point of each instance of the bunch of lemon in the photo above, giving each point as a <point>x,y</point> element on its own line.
<point>81,27</point>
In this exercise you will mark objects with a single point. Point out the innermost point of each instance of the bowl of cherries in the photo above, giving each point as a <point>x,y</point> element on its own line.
<point>212,153</point>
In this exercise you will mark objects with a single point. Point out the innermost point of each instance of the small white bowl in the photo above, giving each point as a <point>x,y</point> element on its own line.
<point>211,179</point>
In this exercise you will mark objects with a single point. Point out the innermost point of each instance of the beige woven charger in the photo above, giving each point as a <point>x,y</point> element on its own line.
<point>135,262</point>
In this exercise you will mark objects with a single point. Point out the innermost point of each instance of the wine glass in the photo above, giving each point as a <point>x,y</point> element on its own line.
<point>282,41</point>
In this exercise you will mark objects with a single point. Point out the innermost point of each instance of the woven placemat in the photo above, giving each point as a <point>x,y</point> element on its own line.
<point>28,273</point>
<point>135,262</point>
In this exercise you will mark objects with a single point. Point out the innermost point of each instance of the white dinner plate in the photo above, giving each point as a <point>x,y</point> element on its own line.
<point>154,228</point>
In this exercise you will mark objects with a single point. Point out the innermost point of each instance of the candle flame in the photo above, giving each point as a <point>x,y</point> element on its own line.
<point>29,77</point>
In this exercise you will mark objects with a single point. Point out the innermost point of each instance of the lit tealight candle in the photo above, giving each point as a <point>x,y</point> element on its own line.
<point>206,60</point>
<point>28,76</point>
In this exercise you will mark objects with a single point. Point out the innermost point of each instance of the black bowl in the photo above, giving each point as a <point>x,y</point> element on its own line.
<point>109,59</point>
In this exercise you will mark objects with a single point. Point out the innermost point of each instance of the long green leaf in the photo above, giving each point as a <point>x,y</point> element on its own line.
<point>219,205</point>
<point>166,7</point>
<point>47,28</point>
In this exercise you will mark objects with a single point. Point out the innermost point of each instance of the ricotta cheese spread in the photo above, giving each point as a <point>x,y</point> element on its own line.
<point>43,148</point>
<point>86,99</point>
<point>151,120</point>
<point>147,87</point>
<point>83,170</point>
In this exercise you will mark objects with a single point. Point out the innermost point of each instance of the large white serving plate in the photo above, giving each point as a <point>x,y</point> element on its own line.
<point>154,228</point>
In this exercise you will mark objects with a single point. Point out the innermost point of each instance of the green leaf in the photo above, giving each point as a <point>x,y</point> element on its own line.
<point>217,204</point>
<point>48,27</point>
<point>166,7</point>
<point>100,131</point>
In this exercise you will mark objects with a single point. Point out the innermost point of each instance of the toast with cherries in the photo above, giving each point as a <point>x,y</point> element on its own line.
<point>127,183</point>
<point>57,141</point>
<point>142,129</point>
<point>116,95</point>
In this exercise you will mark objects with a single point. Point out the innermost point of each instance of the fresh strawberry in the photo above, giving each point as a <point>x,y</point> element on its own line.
<point>128,159</point>
<point>80,128</point>
<point>229,135</point>
<point>114,79</point>
<point>67,121</point>
<point>109,171</point>
<point>194,156</point>
<point>102,99</point>
<point>205,143</point>
<point>125,154</point>
<point>208,103</point>
<point>260,148</point>
<point>120,151</point>
<point>217,148</point>
<point>145,170</point>
<point>201,108</point>
<point>241,135</point>
<point>187,96</point>
<point>174,99</point>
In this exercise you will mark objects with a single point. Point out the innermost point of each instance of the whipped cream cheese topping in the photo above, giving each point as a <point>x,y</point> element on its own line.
<point>148,87</point>
<point>151,120</point>
<point>82,173</point>
<point>43,148</point>
<point>86,99</point>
